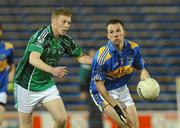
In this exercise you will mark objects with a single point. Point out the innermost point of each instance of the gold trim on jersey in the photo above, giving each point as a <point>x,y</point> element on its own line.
<point>8,45</point>
<point>121,71</point>
<point>133,44</point>
<point>3,65</point>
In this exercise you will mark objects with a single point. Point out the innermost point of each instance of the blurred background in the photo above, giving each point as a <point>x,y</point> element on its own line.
<point>153,24</point>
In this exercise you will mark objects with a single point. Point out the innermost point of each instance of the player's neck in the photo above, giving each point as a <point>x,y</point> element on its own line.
<point>121,46</point>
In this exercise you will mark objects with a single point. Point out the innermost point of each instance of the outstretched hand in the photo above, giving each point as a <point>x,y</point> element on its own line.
<point>60,71</point>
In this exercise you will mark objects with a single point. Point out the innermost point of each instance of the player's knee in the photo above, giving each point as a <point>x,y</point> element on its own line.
<point>61,120</point>
<point>136,124</point>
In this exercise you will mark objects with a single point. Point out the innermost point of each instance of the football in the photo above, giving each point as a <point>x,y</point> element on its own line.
<point>148,89</point>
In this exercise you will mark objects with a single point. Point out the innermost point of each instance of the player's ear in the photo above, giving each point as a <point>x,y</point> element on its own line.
<point>108,36</point>
<point>54,20</point>
<point>125,32</point>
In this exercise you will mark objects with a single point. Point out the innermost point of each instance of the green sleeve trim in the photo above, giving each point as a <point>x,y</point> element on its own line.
<point>33,47</point>
<point>77,52</point>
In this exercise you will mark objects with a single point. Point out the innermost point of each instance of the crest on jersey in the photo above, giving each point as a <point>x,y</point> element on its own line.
<point>40,40</point>
<point>129,60</point>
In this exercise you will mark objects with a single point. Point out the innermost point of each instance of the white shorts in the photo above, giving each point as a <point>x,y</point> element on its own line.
<point>3,98</point>
<point>121,94</point>
<point>27,100</point>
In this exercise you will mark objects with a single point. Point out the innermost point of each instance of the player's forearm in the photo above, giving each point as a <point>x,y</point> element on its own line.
<point>144,74</point>
<point>38,63</point>
<point>85,59</point>
<point>11,73</point>
<point>101,88</point>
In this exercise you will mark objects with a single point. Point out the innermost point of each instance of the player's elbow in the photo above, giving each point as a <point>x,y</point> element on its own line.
<point>33,57</point>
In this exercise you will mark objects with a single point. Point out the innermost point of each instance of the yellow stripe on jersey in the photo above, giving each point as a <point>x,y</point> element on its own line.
<point>8,45</point>
<point>107,57</point>
<point>133,44</point>
<point>103,55</point>
<point>121,71</point>
<point>100,51</point>
<point>3,65</point>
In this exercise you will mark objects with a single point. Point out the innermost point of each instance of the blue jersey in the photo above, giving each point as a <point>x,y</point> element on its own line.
<point>115,67</point>
<point>6,58</point>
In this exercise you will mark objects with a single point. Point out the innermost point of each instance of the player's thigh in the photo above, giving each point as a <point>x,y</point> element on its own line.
<point>132,112</point>
<point>56,109</point>
<point>25,100</point>
<point>25,120</point>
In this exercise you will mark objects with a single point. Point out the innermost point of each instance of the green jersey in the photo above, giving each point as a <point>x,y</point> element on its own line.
<point>51,50</point>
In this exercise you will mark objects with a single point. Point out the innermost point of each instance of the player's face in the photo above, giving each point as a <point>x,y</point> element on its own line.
<point>62,24</point>
<point>115,33</point>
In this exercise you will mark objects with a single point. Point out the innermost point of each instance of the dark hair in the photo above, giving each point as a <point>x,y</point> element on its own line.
<point>115,21</point>
<point>61,11</point>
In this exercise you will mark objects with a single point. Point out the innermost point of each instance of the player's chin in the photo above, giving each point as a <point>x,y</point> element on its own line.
<point>116,44</point>
<point>62,33</point>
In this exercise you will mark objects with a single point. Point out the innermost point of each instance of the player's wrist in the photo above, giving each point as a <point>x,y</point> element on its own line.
<point>118,109</point>
<point>120,113</point>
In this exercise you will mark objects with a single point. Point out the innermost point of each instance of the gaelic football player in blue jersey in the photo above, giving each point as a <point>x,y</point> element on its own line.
<point>7,69</point>
<point>34,82</point>
<point>112,68</point>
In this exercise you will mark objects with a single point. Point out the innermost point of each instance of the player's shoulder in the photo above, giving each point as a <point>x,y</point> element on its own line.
<point>133,44</point>
<point>43,32</point>
<point>8,45</point>
<point>103,55</point>
<point>41,35</point>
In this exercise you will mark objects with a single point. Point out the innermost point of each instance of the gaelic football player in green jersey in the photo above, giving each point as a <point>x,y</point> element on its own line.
<point>34,75</point>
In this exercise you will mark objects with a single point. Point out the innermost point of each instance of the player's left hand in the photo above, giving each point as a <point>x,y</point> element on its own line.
<point>10,87</point>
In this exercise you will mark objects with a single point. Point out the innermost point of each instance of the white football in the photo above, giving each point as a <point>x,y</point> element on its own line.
<point>148,89</point>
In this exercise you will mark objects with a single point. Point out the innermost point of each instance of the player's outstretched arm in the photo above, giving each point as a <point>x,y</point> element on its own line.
<point>84,59</point>
<point>11,72</point>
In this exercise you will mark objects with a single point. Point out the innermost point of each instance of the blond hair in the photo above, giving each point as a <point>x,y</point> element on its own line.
<point>61,11</point>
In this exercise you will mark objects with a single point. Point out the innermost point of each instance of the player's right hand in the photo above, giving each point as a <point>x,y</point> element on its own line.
<point>120,113</point>
<point>60,71</point>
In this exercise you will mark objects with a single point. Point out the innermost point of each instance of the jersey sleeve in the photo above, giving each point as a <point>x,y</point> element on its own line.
<point>72,48</point>
<point>37,41</point>
<point>98,70</point>
<point>138,61</point>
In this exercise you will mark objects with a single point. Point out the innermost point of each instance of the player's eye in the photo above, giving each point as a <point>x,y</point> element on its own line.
<point>68,22</point>
<point>118,30</point>
<point>111,32</point>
